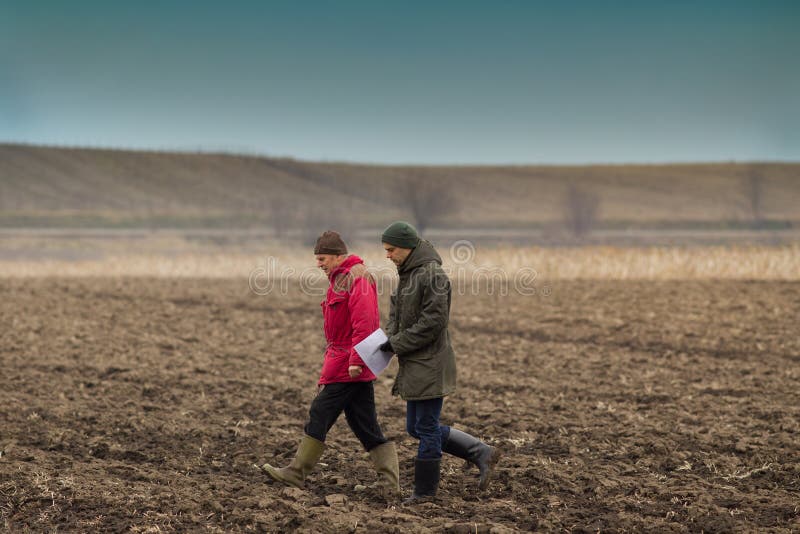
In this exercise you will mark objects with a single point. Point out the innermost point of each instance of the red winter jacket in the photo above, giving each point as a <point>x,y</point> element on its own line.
<point>350,310</point>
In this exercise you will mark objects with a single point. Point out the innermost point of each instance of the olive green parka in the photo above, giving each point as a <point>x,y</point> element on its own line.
<point>417,327</point>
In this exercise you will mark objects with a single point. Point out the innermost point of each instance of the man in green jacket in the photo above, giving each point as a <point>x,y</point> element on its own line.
<point>418,335</point>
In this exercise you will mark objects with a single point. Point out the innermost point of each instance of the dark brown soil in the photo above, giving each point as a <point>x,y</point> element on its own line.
<point>141,405</point>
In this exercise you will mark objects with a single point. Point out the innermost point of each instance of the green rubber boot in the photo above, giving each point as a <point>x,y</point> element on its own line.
<point>384,458</point>
<point>308,454</point>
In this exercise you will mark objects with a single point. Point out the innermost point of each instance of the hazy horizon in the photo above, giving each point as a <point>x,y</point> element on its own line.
<point>451,83</point>
<point>255,154</point>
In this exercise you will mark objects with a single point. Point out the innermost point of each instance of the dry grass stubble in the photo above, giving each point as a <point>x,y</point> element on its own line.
<point>176,258</point>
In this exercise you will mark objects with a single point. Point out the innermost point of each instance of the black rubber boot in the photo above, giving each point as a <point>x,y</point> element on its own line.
<point>426,480</point>
<point>474,451</point>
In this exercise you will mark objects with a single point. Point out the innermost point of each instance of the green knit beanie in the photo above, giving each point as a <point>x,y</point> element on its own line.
<point>401,234</point>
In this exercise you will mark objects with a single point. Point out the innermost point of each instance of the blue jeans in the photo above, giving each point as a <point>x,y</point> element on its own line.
<point>422,422</point>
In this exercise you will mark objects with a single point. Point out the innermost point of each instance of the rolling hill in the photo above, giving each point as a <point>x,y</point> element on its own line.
<point>57,187</point>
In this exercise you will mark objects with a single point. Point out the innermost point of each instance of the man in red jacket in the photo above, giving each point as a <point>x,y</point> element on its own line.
<point>350,312</point>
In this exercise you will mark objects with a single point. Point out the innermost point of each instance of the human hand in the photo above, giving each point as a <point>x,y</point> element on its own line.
<point>354,370</point>
<point>387,347</point>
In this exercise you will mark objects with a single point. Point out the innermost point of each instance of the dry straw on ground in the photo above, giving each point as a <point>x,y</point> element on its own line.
<point>657,263</point>
<point>594,263</point>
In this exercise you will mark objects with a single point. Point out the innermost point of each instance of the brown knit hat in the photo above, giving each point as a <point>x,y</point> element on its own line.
<point>330,242</point>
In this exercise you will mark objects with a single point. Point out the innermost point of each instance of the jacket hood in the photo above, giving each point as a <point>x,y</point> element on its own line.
<point>422,254</point>
<point>345,267</point>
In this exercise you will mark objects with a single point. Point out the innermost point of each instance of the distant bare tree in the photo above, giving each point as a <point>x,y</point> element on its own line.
<point>755,195</point>
<point>429,201</point>
<point>580,210</point>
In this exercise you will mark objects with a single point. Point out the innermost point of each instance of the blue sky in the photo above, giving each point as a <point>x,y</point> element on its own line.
<point>409,82</point>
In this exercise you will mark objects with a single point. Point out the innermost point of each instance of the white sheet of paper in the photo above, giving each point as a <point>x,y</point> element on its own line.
<point>376,359</point>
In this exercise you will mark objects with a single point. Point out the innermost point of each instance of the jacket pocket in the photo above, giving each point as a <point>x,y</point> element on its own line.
<point>336,298</point>
<point>331,311</point>
<point>335,364</point>
<point>421,374</point>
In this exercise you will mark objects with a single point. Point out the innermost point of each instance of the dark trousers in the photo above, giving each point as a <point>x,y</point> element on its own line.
<point>422,422</point>
<point>357,400</point>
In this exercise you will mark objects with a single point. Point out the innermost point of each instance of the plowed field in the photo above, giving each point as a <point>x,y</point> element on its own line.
<point>142,404</point>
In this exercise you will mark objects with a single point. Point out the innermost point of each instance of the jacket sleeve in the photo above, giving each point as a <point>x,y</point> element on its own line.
<point>391,324</point>
<point>364,317</point>
<point>433,316</point>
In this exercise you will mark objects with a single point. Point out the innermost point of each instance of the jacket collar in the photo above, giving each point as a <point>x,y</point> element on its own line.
<point>345,266</point>
<point>422,254</point>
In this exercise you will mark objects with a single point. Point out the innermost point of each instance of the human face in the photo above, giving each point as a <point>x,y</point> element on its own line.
<point>329,262</point>
<point>397,254</point>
